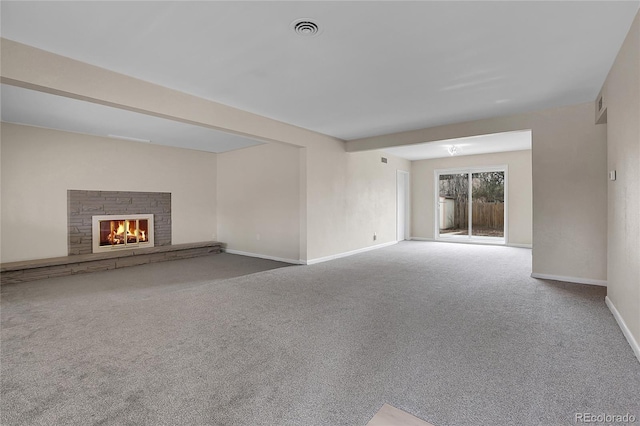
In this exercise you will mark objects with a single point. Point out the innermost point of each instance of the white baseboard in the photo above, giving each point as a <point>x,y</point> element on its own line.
<point>508,245</point>
<point>623,326</point>
<point>264,256</point>
<point>348,253</point>
<point>576,280</point>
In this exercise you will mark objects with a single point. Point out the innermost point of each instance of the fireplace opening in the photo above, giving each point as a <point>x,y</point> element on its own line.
<point>133,231</point>
<point>122,232</point>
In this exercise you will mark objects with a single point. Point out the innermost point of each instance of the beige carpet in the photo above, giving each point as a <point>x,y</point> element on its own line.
<point>456,334</point>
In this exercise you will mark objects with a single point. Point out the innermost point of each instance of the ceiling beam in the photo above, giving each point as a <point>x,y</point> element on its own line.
<point>488,126</point>
<point>37,69</point>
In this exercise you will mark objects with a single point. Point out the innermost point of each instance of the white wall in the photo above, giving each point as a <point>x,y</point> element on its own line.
<point>327,191</point>
<point>372,197</point>
<point>569,154</point>
<point>259,200</point>
<point>622,97</point>
<point>350,197</point>
<point>519,191</point>
<point>569,160</point>
<point>569,196</point>
<point>272,190</point>
<point>40,165</point>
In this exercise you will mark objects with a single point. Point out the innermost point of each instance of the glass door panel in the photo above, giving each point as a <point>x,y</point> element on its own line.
<point>487,206</point>
<point>453,205</point>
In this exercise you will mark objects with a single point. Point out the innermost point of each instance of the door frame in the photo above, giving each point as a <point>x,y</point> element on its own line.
<point>470,170</point>
<point>403,176</point>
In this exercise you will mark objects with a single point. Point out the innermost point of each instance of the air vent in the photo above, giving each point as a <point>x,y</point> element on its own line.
<point>305,27</point>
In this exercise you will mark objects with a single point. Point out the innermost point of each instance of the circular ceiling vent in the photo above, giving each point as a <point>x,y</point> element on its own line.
<point>305,27</point>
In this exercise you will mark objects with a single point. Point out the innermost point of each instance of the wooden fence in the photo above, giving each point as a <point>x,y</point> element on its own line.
<point>485,215</point>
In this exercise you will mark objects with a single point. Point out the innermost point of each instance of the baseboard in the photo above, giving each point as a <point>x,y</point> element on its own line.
<point>264,256</point>
<point>623,326</point>
<point>508,245</point>
<point>576,280</point>
<point>348,253</point>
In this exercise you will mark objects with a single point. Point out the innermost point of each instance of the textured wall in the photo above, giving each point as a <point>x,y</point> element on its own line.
<point>622,96</point>
<point>84,204</point>
<point>259,200</point>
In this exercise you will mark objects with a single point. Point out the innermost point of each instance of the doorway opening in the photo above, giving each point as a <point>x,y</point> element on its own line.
<point>471,205</point>
<point>403,206</point>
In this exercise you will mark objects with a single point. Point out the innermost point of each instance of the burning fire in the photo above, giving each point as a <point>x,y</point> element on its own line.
<point>126,231</point>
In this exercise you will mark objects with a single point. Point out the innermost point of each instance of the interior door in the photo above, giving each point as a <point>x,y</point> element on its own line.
<point>402,216</point>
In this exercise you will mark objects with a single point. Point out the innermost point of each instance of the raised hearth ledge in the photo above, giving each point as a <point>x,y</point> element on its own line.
<point>31,270</point>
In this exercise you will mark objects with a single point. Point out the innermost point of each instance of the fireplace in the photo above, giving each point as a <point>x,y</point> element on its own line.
<point>121,232</point>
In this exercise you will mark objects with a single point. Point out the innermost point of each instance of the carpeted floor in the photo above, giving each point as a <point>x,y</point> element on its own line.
<point>454,334</point>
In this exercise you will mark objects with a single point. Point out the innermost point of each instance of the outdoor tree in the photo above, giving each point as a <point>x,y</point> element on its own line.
<point>488,187</point>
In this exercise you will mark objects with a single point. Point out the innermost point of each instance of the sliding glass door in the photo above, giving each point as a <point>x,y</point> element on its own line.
<point>471,204</point>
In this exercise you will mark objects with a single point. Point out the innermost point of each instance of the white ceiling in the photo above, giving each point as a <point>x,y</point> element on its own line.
<point>482,144</point>
<point>376,68</point>
<point>56,112</point>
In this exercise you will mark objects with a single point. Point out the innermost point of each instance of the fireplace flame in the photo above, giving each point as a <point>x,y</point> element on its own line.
<point>126,232</point>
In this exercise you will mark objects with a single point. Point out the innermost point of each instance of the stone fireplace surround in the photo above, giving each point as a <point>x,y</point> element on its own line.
<point>82,205</point>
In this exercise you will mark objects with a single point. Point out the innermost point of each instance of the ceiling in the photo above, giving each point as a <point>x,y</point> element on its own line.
<point>56,112</point>
<point>375,68</point>
<point>482,144</point>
